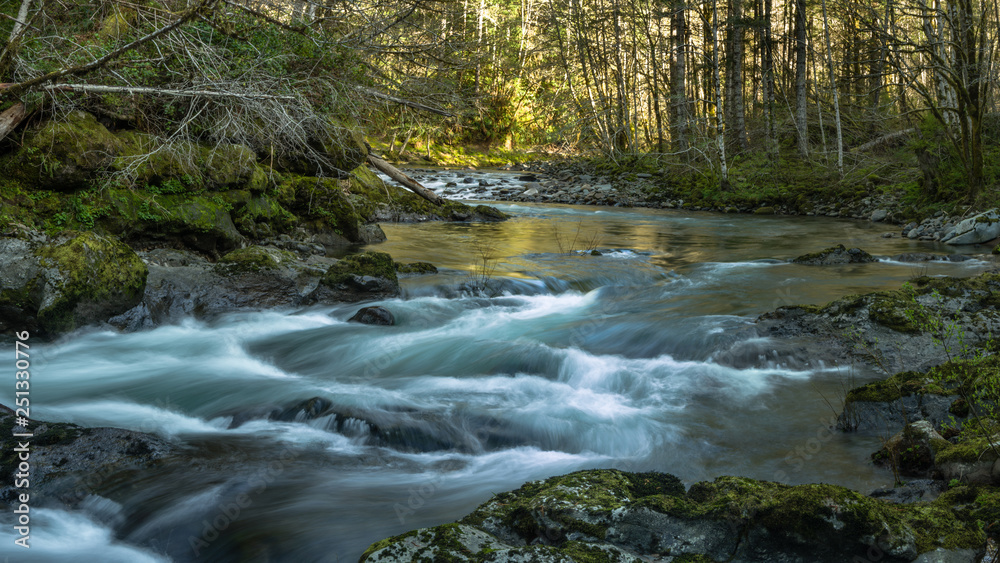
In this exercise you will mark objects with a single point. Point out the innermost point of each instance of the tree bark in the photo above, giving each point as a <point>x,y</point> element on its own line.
<point>678,97</point>
<point>836,95</point>
<point>10,118</point>
<point>801,125</point>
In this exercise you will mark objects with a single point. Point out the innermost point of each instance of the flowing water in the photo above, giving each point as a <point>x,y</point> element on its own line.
<point>525,356</point>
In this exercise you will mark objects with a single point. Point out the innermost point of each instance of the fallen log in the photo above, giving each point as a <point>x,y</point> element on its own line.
<point>414,186</point>
<point>884,140</point>
<point>11,118</point>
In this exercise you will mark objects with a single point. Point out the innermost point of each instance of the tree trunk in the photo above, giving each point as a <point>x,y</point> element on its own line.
<point>414,186</point>
<point>836,96</point>
<point>801,125</point>
<point>678,97</point>
<point>736,134</point>
<point>719,120</point>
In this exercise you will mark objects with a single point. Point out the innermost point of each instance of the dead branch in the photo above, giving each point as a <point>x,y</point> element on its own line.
<point>185,16</point>
<point>415,105</point>
<point>137,90</point>
<point>884,139</point>
<point>11,118</point>
<point>414,186</point>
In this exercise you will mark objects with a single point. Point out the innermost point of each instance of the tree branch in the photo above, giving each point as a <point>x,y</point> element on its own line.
<point>185,16</point>
<point>415,105</point>
<point>136,90</point>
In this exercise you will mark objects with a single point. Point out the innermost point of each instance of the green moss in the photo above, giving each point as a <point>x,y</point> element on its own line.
<point>370,264</point>
<point>970,450</point>
<point>895,310</point>
<point>902,384</point>
<point>249,259</point>
<point>93,269</point>
<point>65,155</point>
<point>186,167</point>
<point>116,25</point>
<point>415,268</point>
<point>764,211</point>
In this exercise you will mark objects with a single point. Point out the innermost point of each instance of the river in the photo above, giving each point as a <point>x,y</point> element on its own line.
<point>527,355</point>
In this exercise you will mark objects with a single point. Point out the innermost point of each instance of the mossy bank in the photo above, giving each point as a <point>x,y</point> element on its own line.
<point>610,515</point>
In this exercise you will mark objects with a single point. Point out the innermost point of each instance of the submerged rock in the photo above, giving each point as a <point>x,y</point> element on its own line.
<point>835,255</point>
<point>379,316</point>
<point>68,461</point>
<point>609,515</point>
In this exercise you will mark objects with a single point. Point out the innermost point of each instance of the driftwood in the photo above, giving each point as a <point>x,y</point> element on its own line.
<point>11,118</point>
<point>414,186</point>
<point>884,140</point>
<point>414,105</point>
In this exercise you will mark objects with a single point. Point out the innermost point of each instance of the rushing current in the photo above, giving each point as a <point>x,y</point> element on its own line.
<point>527,355</point>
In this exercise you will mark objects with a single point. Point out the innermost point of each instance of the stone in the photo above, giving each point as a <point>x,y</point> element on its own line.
<point>977,230</point>
<point>835,255</point>
<point>379,316</point>
<point>879,215</point>
<point>610,515</point>
<point>65,155</point>
<point>530,191</point>
<point>61,285</point>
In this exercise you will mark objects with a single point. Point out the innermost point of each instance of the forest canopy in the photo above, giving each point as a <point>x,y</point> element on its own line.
<point>697,83</point>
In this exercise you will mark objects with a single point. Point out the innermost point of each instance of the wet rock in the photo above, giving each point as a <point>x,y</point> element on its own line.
<point>612,515</point>
<point>264,278</point>
<point>910,451</point>
<point>378,316</point>
<point>61,284</point>
<point>976,230</point>
<point>530,192</point>
<point>879,215</point>
<point>914,490</point>
<point>64,466</point>
<point>468,180</point>
<point>835,255</point>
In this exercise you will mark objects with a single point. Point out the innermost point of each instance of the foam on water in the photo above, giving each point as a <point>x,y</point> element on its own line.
<point>61,535</point>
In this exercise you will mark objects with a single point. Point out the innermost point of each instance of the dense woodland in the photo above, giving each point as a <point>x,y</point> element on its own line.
<point>704,85</point>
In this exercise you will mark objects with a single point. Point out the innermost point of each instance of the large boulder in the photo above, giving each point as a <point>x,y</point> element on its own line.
<point>609,515</point>
<point>332,149</point>
<point>976,230</point>
<point>64,154</point>
<point>57,286</point>
<point>369,275</point>
<point>184,284</point>
<point>182,166</point>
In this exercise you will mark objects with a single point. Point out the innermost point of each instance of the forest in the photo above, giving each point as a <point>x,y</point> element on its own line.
<point>895,95</point>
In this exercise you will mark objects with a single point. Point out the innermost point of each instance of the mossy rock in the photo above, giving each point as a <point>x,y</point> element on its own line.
<point>262,216</point>
<point>65,154</point>
<point>184,166</point>
<point>368,269</point>
<point>252,259</point>
<point>835,255</point>
<point>764,211</point>
<point>609,515</point>
<point>337,148</point>
<point>91,278</point>
<point>415,268</point>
